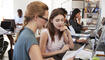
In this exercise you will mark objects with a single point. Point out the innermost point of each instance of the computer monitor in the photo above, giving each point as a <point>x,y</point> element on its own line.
<point>8,24</point>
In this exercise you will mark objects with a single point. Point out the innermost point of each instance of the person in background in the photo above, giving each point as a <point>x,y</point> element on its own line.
<point>19,18</point>
<point>75,20</point>
<point>26,46</point>
<point>53,39</point>
<point>67,24</point>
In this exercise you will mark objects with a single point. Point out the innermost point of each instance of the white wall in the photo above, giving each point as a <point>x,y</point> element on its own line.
<point>21,4</point>
<point>52,4</point>
<point>6,9</point>
<point>67,4</point>
<point>77,4</point>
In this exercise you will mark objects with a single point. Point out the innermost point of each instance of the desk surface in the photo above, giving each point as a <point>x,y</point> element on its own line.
<point>89,48</point>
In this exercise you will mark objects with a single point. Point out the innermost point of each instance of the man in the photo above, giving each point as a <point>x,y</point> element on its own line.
<point>19,18</point>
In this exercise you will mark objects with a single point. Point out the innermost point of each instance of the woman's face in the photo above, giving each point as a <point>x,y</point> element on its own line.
<point>78,15</point>
<point>58,21</point>
<point>42,20</point>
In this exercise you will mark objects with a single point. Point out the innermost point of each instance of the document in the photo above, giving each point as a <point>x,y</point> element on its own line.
<point>99,52</point>
<point>2,31</point>
<point>81,35</point>
<point>70,54</point>
<point>83,38</point>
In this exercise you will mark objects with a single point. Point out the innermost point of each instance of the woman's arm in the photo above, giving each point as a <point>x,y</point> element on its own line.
<point>68,38</point>
<point>34,53</point>
<point>43,44</point>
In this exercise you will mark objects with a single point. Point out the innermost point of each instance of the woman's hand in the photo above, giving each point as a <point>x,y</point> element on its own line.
<point>72,58</point>
<point>65,48</point>
<point>63,28</point>
<point>50,58</point>
<point>81,41</point>
<point>84,28</point>
<point>79,19</point>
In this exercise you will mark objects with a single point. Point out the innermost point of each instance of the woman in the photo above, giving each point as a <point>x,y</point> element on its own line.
<point>53,39</point>
<point>26,47</point>
<point>75,21</point>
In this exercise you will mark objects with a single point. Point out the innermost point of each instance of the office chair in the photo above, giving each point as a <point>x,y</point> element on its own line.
<point>98,40</point>
<point>3,46</point>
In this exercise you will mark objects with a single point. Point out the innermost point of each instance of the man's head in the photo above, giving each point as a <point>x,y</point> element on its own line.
<point>20,13</point>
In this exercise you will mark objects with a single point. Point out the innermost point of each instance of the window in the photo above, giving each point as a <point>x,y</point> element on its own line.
<point>6,9</point>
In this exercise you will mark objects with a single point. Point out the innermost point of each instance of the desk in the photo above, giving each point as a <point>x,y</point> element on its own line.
<point>87,48</point>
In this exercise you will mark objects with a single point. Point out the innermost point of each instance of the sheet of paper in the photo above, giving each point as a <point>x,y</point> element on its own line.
<point>87,30</point>
<point>2,31</point>
<point>81,38</point>
<point>74,53</point>
<point>100,52</point>
<point>83,54</point>
<point>82,35</point>
<point>91,28</point>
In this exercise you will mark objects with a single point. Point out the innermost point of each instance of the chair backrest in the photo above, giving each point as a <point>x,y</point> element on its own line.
<point>72,31</point>
<point>98,39</point>
<point>1,42</point>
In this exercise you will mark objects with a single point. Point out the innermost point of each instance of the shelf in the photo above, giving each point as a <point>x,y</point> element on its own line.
<point>91,9</point>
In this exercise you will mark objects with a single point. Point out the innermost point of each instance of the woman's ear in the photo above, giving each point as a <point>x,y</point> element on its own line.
<point>51,21</point>
<point>35,17</point>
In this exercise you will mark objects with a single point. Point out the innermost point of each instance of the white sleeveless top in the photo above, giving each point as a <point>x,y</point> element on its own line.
<point>53,45</point>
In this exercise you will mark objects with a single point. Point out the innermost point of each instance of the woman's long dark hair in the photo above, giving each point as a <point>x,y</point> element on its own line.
<point>74,13</point>
<point>50,25</point>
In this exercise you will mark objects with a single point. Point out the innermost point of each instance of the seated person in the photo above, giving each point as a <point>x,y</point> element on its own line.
<point>55,40</point>
<point>26,46</point>
<point>19,18</point>
<point>75,21</point>
<point>72,31</point>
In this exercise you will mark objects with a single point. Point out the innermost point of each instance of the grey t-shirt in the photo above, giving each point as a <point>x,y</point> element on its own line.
<point>25,41</point>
